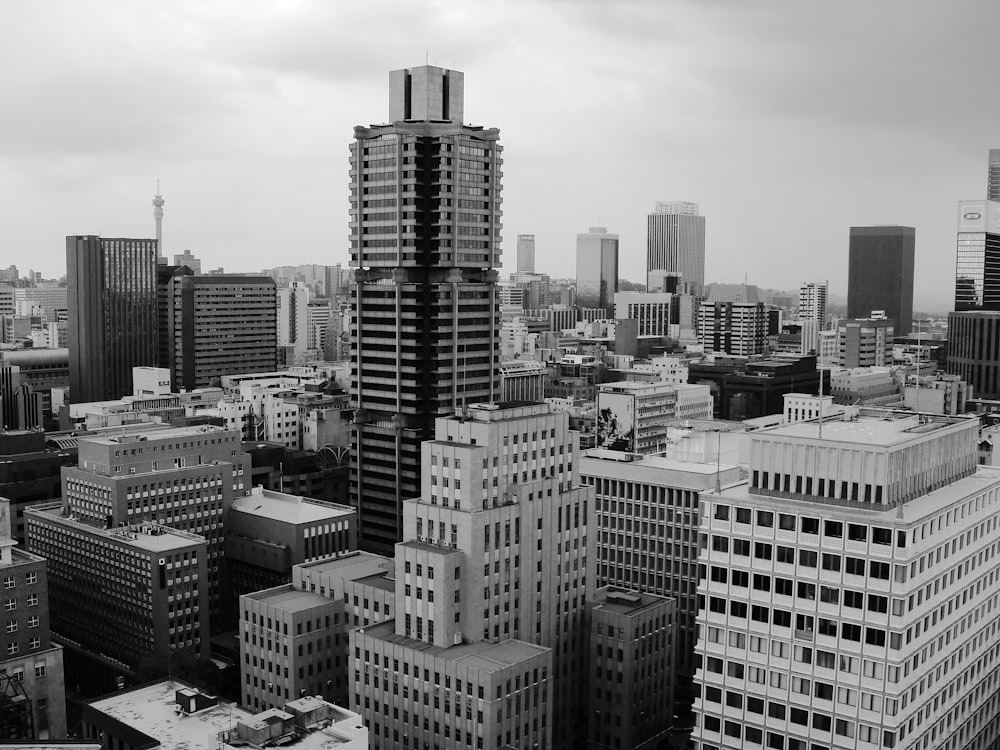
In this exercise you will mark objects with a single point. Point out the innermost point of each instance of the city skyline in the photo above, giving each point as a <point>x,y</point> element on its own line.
<point>235,115</point>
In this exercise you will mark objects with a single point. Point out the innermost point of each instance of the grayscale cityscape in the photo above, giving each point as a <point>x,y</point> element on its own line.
<point>586,395</point>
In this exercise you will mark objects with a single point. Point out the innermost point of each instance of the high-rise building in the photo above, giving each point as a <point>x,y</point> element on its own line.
<point>111,287</point>
<point>293,318</point>
<point>597,269</point>
<point>31,665</point>
<point>993,176</point>
<point>737,328</point>
<point>675,242</point>
<point>977,266</point>
<point>653,311</point>
<point>425,240</point>
<point>974,350</point>
<point>812,313</point>
<point>525,253</point>
<point>880,274</point>
<point>219,325</point>
<point>187,259</point>
<point>491,586</point>
<point>851,603</point>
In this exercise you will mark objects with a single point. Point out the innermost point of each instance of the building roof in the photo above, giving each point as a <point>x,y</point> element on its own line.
<point>147,536</point>
<point>482,655</point>
<point>373,570</point>
<point>625,601</point>
<point>116,436</point>
<point>889,429</point>
<point>289,599</point>
<point>280,506</point>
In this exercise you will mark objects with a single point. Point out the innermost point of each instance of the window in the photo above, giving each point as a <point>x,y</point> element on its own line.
<point>785,555</point>
<point>807,558</point>
<point>741,547</point>
<point>850,631</point>
<point>831,562</point>
<point>743,515</point>
<point>857,533</point>
<point>854,599</point>
<point>12,626</point>
<point>8,582</point>
<point>765,518</point>
<point>877,603</point>
<point>879,570</point>
<point>807,590</point>
<point>829,595</point>
<point>783,586</point>
<point>39,670</point>
<point>826,659</point>
<point>721,512</point>
<point>782,618</point>
<point>30,578</point>
<point>10,604</point>
<point>761,582</point>
<point>776,711</point>
<point>810,525</point>
<point>786,522</point>
<point>823,690</point>
<point>847,697</point>
<point>762,551</point>
<point>833,529</point>
<point>801,685</point>
<point>854,566</point>
<point>720,543</point>
<point>34,643</point>
<point>843,727</point>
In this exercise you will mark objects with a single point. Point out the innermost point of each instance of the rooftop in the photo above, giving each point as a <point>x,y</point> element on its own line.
<point>146,536</point>
<point>481,655</point>
<point>624,602</point>
<point>374,570</point>
<point>872,427</point>
<point>281,506</point>
<point>289,599</point>
<point>117,436</point>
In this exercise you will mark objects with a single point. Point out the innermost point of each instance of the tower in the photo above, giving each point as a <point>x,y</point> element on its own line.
<point>880,274</point>
<point>525,253</point>
<point>812,313</point>
<point>425,235</point>
<point>675,242</point>
<point>111,296</point>
<point>597,269</point>
<point>993,176</point>
<point>158,218</point>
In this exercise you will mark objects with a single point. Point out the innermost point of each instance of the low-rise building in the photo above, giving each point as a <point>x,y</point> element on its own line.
<point>631,415</point>
<point>172,715</point>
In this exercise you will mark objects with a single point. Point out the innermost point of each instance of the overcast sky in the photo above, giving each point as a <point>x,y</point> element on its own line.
<point>788,122</point>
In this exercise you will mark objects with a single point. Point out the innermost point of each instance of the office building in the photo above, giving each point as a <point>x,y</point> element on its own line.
<point>866,386</point>
<point>974,350</point>
<point>522,380</point>
<point>219,325</point>
<point>491,586</point>
<point>736,328</point>
<point>182,477</point>
<point>49,301</point>
<point>647,534</point>
<point>851,603</point>
<point>632,416</point>
<point>632,644</point>
<point>977,266</point>
<point>111,295</point>
<point>187,259</point>
<point>865,343</point>
<point>743,389</point>
<point>812,313</point>
<point>32,685</point>
<point>993,176</point>
<point>653,311</point>
<point>597,269</point>
<point>425,323</point>
<point>525,253</point>
<point>174,715</point>
<point>120,594</point>
<point>880,274</point>
<point>675,243</point>
<point>268,533</point>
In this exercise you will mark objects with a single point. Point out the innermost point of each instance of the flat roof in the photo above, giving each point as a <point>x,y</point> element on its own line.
<point>281,506</point>
<point>290,599</point>
<point>896,429</point>
<point>658,462</point>
<point>481,655</point>
<point>147,536</point>
<point>625,601</point>
<point>150,710</point>
<point>163,433</point>
<point>374,570</point>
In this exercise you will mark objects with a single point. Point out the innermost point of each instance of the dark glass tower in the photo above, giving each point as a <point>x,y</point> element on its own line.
<point>977,258</point>
<point>111,295</point>
<point>880,274</point>
<point>425,240</point>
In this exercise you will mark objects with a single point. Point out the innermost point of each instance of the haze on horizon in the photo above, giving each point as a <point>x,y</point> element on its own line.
<point>787,122</point>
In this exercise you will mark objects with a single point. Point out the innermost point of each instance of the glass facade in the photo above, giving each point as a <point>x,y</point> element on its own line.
<point>977,271</point>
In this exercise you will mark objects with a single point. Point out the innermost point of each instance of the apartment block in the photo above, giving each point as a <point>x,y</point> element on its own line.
<point>632,416</point>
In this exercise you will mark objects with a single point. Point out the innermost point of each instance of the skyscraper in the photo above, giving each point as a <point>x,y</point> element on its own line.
<point>425,234</point>
<point>675,242</point>
<point>597,269</point>
<point>880,274</point>
<point>993,176</point>
<point>974,326</point>
<point>812,313</point>
<point>111,297</point>
<point>525,253</point>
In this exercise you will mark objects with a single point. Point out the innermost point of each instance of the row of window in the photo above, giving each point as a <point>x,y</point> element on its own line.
<point>856,532</point>
<point>29,579</point>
